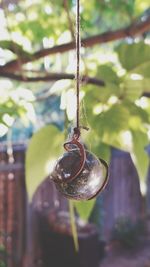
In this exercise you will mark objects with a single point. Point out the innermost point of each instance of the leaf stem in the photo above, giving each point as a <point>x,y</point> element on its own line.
<point>73,226</point>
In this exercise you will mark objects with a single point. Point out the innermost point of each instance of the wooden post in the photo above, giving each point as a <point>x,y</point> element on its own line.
<point>122,196</point>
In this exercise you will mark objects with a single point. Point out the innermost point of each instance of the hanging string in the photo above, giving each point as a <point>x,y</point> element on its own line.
<point>78,78</point>
<point>78,64</point>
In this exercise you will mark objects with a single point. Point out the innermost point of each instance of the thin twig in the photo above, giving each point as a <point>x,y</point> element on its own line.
<point>14,46</point>
<point>71,27</point>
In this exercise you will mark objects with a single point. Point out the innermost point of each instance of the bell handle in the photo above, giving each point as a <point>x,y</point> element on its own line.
<point>82,153</point>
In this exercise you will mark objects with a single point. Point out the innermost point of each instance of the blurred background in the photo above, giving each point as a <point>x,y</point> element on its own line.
<point>38,226</point>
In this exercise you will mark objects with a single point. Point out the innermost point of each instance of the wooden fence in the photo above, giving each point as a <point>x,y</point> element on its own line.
<point>12,206</point>
<point>25,230</point>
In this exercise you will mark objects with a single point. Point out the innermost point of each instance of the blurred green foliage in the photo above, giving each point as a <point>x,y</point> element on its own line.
<point>44,147</point>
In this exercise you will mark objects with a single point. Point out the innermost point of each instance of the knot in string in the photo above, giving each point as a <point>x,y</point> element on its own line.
<point>76,133</point>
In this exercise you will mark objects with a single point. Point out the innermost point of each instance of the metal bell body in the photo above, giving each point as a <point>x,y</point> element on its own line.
<point>88,183</point>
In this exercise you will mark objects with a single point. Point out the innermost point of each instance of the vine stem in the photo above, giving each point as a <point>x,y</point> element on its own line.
<point>73,226</point>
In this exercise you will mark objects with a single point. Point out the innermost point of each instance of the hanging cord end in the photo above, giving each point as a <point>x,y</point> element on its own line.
<point>85,128</point>
<point>77,131</point>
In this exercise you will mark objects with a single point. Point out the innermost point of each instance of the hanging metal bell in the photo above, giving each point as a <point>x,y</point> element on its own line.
<point>79,174</point>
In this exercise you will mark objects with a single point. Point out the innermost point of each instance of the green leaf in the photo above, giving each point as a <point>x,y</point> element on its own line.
<point>15,48</point>
<point>141,160</point>
<point>100,149</point>
<point>108,124</point>
<point>10,45</point>
<point>133,89</point>
<point>112,121</point>
<point>143,69</point>
<point>133,55</point>
<point>95,95</point>
<point>44,148</point>
<point>140,6</point>
<point>84,208</point>
<point>136,111</point>
<point>106,73</point>
<point>109,90</point>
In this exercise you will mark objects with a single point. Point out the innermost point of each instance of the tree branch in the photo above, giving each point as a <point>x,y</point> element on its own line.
<point>130,31</point>
<point>56,77</point>
<point>51,77</point>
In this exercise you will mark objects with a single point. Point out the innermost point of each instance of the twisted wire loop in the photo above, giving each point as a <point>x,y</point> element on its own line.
<point>80,147</point>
